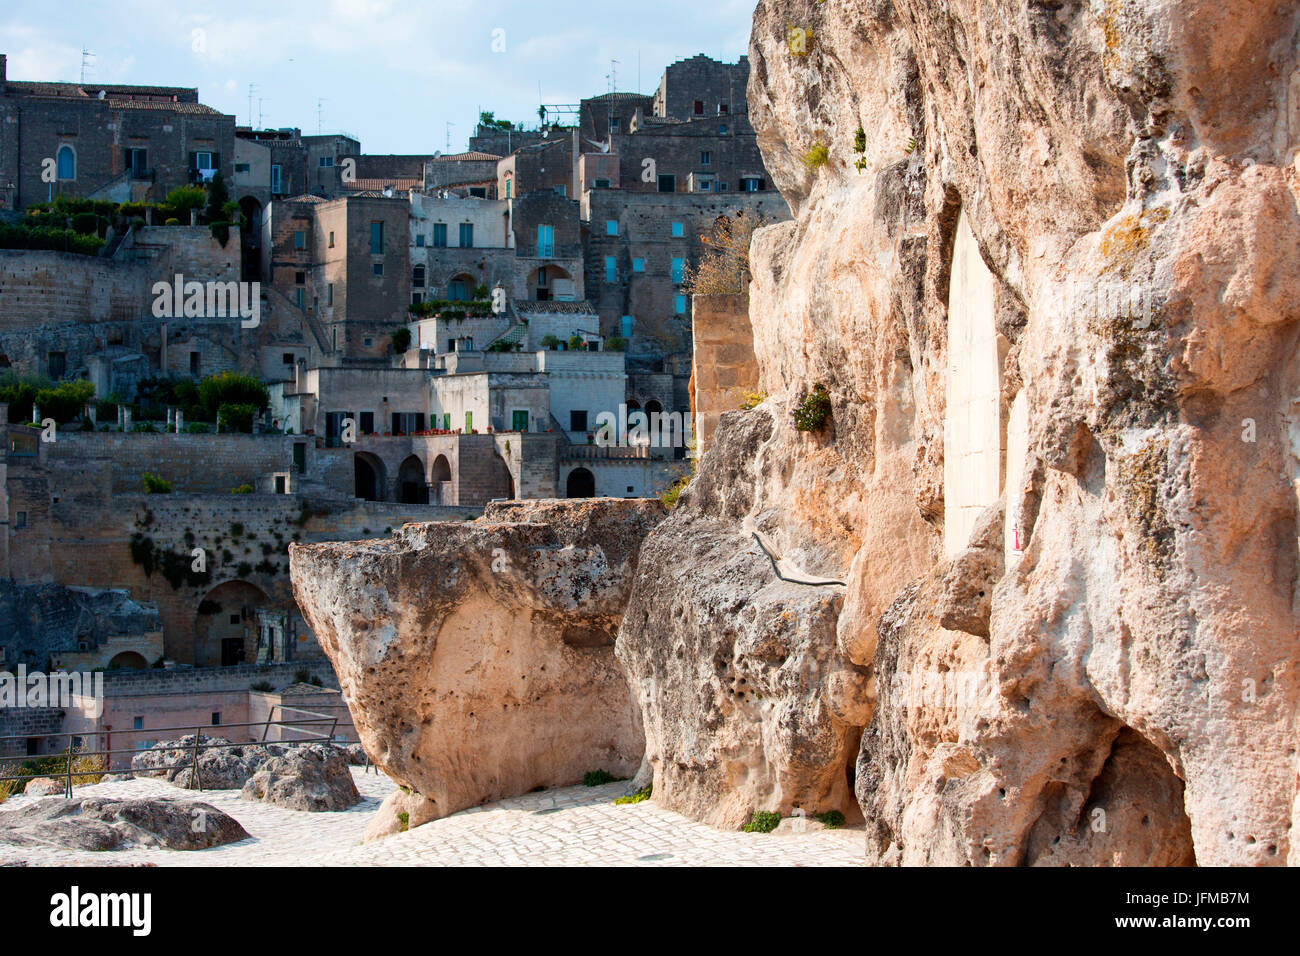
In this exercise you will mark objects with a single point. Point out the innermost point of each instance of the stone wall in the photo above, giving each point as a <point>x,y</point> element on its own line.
<point>724,362</point>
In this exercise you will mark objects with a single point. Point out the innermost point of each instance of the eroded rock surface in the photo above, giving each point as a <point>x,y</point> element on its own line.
<point>1055,278</point>
<point>477,658</point>
<point>102,823</point>
<point>311,777</point>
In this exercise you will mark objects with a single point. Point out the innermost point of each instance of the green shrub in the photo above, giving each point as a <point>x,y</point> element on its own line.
<point>197,428</point>
<point>597,778</point>
<point>762,821</point>
<point>236,418</point>
<point>244,489</point>
<point>401,339</point>
<point>156,484</point>
<point>48,237</point>
<point>231,388</point>
<point>832,819</point>
<point>814,411</point>
<point>173,221</point>
<point>816,157</point>
<point>550,342</point>
<point>404,819</point>
<point>674,491</point>
<point>261,685</point>
<point>577,342</point>
<point>615,343</point>
<point>642,794</point>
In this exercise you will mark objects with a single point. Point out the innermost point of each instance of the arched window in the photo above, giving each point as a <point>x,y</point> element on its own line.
<point>417,277</point>
<point>67,162</point>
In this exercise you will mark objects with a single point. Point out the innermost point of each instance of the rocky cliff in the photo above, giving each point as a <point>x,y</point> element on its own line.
<point>1043,264</point>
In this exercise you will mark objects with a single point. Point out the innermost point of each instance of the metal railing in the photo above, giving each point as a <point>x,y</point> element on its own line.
<point>198,746</point>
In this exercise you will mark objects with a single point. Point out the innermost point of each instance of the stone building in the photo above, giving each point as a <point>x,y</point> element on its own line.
<point>106,141</point>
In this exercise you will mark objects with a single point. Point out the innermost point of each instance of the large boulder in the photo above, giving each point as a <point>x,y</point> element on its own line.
<point>310,777</point>
<point>222,765</point>
<point>477,658</point>
<point>102,823</point>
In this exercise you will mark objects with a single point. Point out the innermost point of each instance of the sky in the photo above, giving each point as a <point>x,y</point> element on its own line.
<point>393,73</point>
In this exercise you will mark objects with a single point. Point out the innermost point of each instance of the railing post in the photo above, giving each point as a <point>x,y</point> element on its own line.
<point>198,778</point>
<point>267,728</point>
<point>68,791</point>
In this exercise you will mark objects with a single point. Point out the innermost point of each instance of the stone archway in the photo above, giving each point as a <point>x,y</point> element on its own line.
<point>128,660</point>
<point>581,483</point>
<point>440,482</point>
<point>225,627</point>
<point>411,486</point>
<point>368,476</point>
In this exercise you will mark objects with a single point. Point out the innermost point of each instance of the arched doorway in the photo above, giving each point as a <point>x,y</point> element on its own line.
<point>581,484</point>
<point>461,287</point>
<point>225,627</point>
<point>410,482</point>
<point>440,481</point>
<point>368,476</point>
<point>551,282</point>
<point>129,660</point>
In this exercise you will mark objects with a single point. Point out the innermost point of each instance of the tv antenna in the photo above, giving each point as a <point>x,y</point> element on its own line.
<point>86,57</point>
<point>449,126</point>
<point>320,112</point>
<point>252,88</point>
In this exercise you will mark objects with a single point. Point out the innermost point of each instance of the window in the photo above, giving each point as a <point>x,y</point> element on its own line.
<point>615,124</point>
<point>627,326</point>
<point>241,167</point>
<point>300,298</point>
<point>329,294</point>
<point>699,107</point>
<point>286,358</point>
<point>638,265</point>
<point>58,365</point>
<point>419,240</point>
<point>545,241</point>
<point>611,269</point>
<point>509,184</point>
<point>21,520</point>
<point>378,268</point>
<point>300,240</point>
<point>561,190</point>
<point>600,184</point>
<point>723,109</point>
<point>668,184</point>
<point>467,235</point>
<point>679,304</point>
<point>203,160</point>
<point>331,240</point>
<point>137,162</point>
<point>216,718</point>
<point>417,277</point>
<point>300,456</point>
<point>234,619</point>
<point>469,422</point>
<point>706,185</point>
<point>722,127</point>
<point>678,231</point>
<point>751,184</point>
<point>478,192</point>
<point>368,342</point>
<point>275,178</point>
<point>326,162</point>
<point>137,723</point>
<point>440,235</point>
<point>194,363</point>
<point>611,227</point>
<point>519,420</point>
<point>367,423</point>
<point>679,267</point>
<point>577,421</point>
<point>722,187</point>
<point>446,422</point>
<point>377,240</point>
<point>300,278</point>
<point>706,158</point>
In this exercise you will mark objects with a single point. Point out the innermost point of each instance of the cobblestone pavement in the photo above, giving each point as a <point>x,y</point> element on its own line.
<point>564,827</point>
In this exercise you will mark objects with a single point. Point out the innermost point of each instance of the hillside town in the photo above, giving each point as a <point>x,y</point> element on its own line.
<point>217,340</point>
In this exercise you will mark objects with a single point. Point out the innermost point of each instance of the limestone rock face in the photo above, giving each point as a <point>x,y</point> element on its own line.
<point>477,658</point>
<point>1054,277</point>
